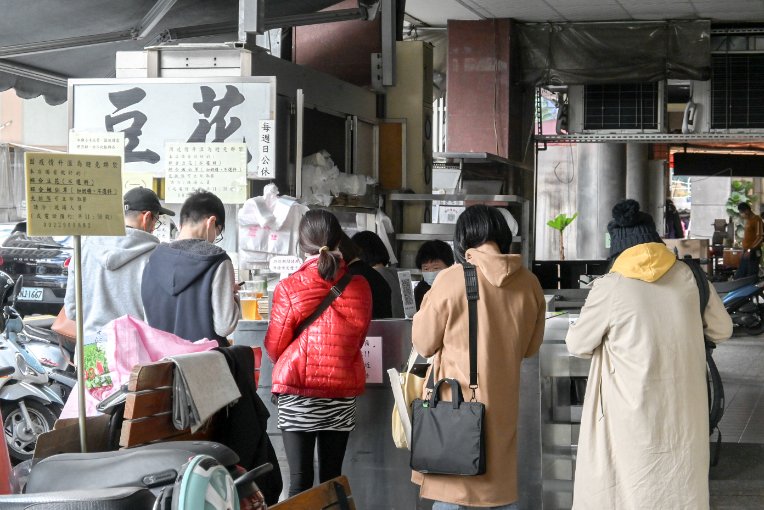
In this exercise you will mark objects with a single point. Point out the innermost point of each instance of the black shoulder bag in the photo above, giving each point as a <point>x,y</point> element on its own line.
<point>448,438</point>
<point>713,379</point>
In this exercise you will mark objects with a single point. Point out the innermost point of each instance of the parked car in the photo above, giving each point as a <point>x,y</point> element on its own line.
<point>39,265</point>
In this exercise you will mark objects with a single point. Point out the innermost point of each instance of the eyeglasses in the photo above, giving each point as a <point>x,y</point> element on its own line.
<point>219,237</point>
<point>157,222</point>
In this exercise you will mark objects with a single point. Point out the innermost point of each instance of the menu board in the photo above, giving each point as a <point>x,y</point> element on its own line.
<point>73,194</point>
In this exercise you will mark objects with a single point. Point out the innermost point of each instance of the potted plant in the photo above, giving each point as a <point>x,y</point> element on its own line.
<point>559,223</point>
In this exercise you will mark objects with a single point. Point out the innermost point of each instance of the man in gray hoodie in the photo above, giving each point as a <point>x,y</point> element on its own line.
<point>112,266</point>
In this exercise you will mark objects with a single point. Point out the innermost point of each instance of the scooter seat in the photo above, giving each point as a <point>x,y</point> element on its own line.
<point>150,466</point>
<point>126,498</point>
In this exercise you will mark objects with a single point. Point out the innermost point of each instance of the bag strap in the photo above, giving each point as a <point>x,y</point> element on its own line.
<point>333,294</point>
<point>701,281</point>
<point>473,294</point>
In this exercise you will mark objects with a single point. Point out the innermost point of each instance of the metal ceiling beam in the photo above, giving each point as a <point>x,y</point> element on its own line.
<point>316,18</point>
<point>153,17</point>
<point>32,73</point>
<point>251,16</point>
<point>18,50</point>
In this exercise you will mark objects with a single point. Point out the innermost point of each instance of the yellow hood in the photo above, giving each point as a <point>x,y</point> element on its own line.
<point>646,262</point>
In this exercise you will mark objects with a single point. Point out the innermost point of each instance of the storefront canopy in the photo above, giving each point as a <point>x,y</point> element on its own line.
<point>45,42</point>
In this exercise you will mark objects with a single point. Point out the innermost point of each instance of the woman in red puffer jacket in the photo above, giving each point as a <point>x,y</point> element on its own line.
<point>318,374</point>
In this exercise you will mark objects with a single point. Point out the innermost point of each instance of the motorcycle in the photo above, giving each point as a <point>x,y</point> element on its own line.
<point>28,406</point>
<point>745,306</point>
<point>46,346</point>
<point>176,475</point>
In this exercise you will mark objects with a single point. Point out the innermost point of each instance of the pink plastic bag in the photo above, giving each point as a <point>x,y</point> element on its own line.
<point>124,343</point>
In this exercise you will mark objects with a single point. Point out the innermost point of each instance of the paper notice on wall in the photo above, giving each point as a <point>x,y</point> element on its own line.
<point>104,144</point>
<point>407,293</point>
<point>74,194</point>
<point>132,180</point>
<point>266,163</point>
<point>220,168</point>
<point>372,359</point>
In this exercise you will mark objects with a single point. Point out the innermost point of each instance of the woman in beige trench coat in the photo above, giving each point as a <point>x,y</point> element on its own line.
<point>644,440</point>
<point>510,313</point>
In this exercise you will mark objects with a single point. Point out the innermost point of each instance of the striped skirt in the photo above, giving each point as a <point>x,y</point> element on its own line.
<point>308,414</point>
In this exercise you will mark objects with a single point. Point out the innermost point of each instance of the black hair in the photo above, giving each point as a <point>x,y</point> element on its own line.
<point>318,229</point>
<point>348,249</point>
<point>480,224</point>
<point>743,206</point>
<point>373,250</point>
<point>434,250</point>
<point>200,205</point>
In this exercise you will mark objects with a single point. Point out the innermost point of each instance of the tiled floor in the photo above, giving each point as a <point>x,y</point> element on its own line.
<point>737,482</point>
<point>741,365</point>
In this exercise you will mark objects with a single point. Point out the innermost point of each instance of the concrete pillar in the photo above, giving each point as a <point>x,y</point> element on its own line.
<point>637,174</point>
<point>601,183</point>
<point>657,178</point>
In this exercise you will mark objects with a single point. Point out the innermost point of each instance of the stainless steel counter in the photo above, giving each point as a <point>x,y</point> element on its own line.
<point>562,384</point>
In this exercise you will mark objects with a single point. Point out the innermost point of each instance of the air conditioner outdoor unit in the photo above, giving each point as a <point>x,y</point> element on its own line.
<point>617,108</point>
<point>731,101</point>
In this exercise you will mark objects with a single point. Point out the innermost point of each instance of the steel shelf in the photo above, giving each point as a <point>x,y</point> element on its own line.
<point>650,137</point>
<point>413,197</point>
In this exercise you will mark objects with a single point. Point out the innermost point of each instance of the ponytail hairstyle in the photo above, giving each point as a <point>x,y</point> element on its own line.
<point>320,234</point>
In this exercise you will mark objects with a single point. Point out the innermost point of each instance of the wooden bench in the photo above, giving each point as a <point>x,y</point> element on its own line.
<point>148,408</point>
<point>334,495</point>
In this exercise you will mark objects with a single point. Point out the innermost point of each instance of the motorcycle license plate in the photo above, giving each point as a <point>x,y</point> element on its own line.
<point>30,294</point>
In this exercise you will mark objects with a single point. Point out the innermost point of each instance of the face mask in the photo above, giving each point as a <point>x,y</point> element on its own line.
<point>429,276</point>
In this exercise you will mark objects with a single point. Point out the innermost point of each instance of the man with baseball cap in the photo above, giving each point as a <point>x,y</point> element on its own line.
<point>112,266</point>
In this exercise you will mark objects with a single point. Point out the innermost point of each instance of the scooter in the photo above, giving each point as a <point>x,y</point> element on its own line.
<point>746,308</point>
<point>46,346</point>
<point>176,475</point>
<point>29,407</point>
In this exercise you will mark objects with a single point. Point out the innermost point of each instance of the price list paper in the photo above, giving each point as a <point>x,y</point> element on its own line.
<point>74,194</point>
<point>220,168</point>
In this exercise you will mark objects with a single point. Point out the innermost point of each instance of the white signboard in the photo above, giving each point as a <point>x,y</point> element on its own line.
<point>153,111</point>
<point>407,293</point>
<point>220,168</point>
<point>372,359</point>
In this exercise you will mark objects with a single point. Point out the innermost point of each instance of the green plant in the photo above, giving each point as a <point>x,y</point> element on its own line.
<point>559,223</point>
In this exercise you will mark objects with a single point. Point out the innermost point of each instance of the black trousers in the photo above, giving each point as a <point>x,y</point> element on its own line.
<point>299,448</point>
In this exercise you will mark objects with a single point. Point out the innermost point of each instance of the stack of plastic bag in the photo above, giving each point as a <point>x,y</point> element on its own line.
<point>268,226</point>
<point>322,180</point>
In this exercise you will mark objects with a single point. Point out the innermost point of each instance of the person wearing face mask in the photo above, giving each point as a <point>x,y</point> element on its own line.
<point>188,286</point>
<point>432,257</point>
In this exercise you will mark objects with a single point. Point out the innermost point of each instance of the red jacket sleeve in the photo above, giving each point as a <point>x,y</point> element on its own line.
<point>281,325</point>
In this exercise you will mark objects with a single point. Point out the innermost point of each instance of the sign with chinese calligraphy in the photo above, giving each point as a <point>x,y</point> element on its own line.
<point>153,111</point>
<point>220,168</point>
<point>266,164</point>
<point>74,194</point>
<point>372,359</point>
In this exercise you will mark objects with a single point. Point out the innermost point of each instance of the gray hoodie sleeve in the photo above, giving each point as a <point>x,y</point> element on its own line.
<point>69,297</point>
<point>225,306</point>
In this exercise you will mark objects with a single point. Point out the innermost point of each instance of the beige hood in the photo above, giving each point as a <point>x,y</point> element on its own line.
<point>497,267</point>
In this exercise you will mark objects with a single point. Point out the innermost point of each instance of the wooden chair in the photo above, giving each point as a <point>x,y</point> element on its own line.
<point>334,495</point>
<point>148,408</point>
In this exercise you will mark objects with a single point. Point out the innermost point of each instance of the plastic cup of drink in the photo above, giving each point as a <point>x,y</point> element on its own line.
<point>249,308</point>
